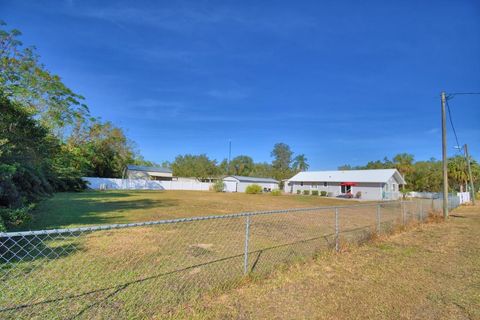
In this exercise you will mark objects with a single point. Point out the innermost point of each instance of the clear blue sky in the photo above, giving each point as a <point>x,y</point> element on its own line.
<point>340,81</point>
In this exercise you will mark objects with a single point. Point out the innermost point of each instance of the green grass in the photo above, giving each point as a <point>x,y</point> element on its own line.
<point>108,207</point>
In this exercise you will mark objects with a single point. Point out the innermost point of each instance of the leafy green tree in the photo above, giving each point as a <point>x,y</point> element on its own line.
<point>282,158</point>
<point>457,173</point>
<point>26,81</point>
<point>197,166</point>
<point>263,170</point>
<point>26,150</point>
<point>242,165</point>
<point>300,163</point>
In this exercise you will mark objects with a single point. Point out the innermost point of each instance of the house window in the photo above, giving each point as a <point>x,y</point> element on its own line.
<point>325,184</point>
<point>394,186</point>
<point>346,189</point>
<point>301,183</point>
<point>314,186</point>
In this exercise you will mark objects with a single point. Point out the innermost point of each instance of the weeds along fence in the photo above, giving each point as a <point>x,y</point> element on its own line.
<point>151,269</point>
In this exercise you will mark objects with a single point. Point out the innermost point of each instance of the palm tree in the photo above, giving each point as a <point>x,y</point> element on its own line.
<point>300,163</point>
<point>457,172</point>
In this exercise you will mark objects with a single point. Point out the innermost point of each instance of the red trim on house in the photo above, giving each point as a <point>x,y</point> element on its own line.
<point>348,184</point>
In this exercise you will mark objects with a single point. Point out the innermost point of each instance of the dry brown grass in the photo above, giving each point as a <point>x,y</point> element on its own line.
<point>430,272</point>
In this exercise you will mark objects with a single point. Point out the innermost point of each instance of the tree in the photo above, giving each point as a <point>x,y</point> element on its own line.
<point>263,170</point>
<point>26,81</point>
<point>282,158</point>
<point>198,166</point>
<point>242,165</point>
<point>457,173</point>
<point>345,167</point>
<point>300,163</point>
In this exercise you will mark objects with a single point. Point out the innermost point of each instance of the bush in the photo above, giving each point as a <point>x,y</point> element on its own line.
<point>218,186</point>
<point>14,217</point>
<point>2,225</point>
<point>299,192</point>
<point>314,192</point>
<point>323,193</point>
<point>306,192</point>
<point>254,189</point>
<point>276,192</point>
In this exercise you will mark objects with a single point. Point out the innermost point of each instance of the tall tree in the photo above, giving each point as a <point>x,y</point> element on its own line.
<point>282,158</point>
<point>242,165</point>
<point>25,80</point>
<point>300,163</point>
<point>403,162</point>
<point>197,166</point>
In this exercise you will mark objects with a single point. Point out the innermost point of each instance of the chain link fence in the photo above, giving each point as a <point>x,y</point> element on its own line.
<point>150,269</point>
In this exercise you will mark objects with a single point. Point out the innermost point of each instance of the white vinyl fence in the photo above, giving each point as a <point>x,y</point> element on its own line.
<point>461,197</point>
<point>142,184</point>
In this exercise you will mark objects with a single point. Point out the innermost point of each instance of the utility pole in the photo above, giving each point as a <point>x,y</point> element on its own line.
<point>444,156</point>
<point>472,187</point>
<point>229,155</point>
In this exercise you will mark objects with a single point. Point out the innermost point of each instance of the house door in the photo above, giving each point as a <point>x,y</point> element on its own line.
<point>346,189</point>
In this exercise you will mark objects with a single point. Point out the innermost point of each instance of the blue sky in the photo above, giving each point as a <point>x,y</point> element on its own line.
<point>340,81</point>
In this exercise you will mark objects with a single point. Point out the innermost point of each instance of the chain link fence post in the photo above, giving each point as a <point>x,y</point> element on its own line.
<point>378,218</point>
<point>247,236</point>
<point>337,231</point>
<point>421,211</point>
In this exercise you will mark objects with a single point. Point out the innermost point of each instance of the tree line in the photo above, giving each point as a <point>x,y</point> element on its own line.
<point>427,175</point>
<point>48,138</point>
<point>283,166</point>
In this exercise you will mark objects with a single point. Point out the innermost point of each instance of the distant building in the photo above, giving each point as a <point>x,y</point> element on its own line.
<point>239,183</point>
<point>379,184</point>
<point>149,173</point>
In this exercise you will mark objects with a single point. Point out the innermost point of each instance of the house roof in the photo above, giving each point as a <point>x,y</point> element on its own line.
<point>253,179</point>
<point>148,169</point>
<point>375,175</point>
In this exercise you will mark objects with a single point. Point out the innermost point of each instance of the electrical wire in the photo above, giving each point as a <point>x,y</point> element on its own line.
<point>453,127</point>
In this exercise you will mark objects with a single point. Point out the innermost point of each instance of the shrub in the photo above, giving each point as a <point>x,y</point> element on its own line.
<point>299,192</point>
<point>314,192</point>
<point>14,217</point>
<point>218,186</point>
<point>2,225</point>
<point>323,193</point>
<point>276,192</point>
<point>253,189</point>
<point>306,192</point>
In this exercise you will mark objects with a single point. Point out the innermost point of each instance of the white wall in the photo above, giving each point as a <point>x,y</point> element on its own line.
<point>141,184</point>
<point>370,191</point>
<point>234,185</point>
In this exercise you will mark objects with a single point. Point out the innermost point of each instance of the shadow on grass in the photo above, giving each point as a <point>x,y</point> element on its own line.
<point>261,262</point>
<point>121,287</point>
<point>85,211</point>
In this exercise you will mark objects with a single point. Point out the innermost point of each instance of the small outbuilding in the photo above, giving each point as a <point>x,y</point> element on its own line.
<point>239,183</point>
<point>149,173</point>
<point>377,184</point>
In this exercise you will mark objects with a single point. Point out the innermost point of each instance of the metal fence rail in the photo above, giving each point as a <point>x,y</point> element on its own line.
<point>148,269</point>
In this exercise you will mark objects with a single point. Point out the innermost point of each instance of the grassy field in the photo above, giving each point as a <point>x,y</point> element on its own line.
<point>431,272</point>
<point>151,271</point>
<point>93,207</point>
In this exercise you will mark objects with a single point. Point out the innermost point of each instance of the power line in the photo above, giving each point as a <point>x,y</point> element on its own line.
<point>451,123</point>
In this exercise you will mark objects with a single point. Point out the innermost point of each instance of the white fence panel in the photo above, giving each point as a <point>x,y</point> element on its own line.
<point>141,184</point>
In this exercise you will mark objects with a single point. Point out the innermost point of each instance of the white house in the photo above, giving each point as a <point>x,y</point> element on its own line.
<point>378,184</point>
<point>149,173</point>
<point>239,183</point>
